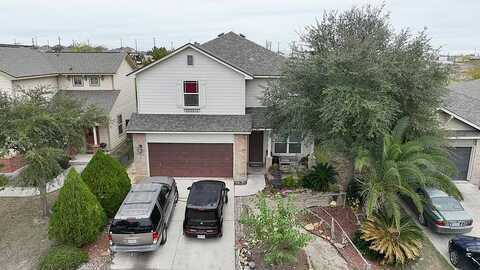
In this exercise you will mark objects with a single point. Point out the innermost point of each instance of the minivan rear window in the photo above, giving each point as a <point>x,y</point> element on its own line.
<point>194,214</point>
<point>128,226</point>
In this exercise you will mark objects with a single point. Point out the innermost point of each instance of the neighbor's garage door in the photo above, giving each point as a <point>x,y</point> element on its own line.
<point>461,157</point>
<point>191,159</point>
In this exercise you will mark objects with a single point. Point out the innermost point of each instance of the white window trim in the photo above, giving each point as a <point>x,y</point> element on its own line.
<point>90,82</point>
<point>198,94</point>
<point>73,81</point>
<point>288,142</point>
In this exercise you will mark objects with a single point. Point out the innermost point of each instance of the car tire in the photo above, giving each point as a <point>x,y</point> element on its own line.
<point>421,220</point>
<point>454,258</point>
<point>164,235</point>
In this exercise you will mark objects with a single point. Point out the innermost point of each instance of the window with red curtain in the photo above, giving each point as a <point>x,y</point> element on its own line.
<point>190,93</point>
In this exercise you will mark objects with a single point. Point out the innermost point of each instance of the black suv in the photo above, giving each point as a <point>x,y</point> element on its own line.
<point>464,252</point>
<point>204,212</point>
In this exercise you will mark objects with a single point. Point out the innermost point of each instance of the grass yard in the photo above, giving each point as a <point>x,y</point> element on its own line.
<point>23,234</point>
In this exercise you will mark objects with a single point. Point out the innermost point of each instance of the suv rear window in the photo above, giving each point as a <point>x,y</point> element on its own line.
<point>131,226</point>
<point>194,214</point>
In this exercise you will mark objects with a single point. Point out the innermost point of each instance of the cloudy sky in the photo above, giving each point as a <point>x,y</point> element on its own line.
<point>452,24</point>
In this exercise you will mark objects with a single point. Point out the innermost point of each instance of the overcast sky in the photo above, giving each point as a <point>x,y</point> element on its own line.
<point>452,24</point>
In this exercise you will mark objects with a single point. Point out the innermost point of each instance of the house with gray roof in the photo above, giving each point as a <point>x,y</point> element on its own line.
<point>460,117</point>
<point>97,78</point>
<point>199,111</point>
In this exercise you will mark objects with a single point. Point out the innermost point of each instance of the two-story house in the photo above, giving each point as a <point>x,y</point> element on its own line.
<point>93,78</point>
<point>199,111</point>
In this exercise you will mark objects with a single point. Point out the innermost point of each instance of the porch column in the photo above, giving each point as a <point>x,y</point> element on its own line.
<point>268,159</point>
<point>95,139</point>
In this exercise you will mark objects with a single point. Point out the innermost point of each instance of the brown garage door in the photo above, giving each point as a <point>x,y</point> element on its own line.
<point>191,159</point>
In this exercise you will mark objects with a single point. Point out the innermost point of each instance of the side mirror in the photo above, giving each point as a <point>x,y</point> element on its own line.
<point>226,189</point>
<point>189,188</point>
<point>468,254</point>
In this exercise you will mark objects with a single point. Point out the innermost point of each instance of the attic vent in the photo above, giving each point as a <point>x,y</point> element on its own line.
<point>242,35</point>
<point>221,34</point>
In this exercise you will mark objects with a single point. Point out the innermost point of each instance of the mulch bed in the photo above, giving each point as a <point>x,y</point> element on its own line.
<point>301,264</point>
<point>98,253</point>
<point>343,215</point>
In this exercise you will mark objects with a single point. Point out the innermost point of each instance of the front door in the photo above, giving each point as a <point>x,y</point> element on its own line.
<point>255,148</point>
<point>89,139</point>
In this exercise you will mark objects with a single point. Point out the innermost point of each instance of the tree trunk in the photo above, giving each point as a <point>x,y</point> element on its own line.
<point>43,197</point>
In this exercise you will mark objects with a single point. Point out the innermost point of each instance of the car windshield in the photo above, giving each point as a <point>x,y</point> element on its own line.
<point>195,214</point>
<point>127,226</point>
<point>446,204</point>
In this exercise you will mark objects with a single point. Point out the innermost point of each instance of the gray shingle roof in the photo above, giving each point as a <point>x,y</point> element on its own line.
<point>93,63</point>
<point>258,115</point>
<point>24,61</point>
<point>463,99</point>
<point>245,54</point>
<point>18,61</point>
<point>189,123</point>
<point>102,99</point>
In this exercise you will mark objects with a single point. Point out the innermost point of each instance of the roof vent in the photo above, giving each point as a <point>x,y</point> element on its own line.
<point>242,35</point>
<point>221,34</point>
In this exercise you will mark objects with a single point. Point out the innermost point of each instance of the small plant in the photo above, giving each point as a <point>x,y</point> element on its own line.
<point>77,216</point>
<point>291,181</point>
<point>320,178</point>
<point>63,258</point>
<point>108,180</point>
<point>397,244</point>
<point>275,229</point>
<point>364,247</point>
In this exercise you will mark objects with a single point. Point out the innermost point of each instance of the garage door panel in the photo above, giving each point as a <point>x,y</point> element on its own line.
<point>175,159</point>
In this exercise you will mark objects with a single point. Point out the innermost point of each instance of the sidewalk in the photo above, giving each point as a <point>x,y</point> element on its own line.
<point>255,184</point>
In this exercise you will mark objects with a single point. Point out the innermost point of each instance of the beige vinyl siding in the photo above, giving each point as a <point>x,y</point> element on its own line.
<point>5,83</point>
<point>160,88</point>
<point>255,91</point>
<point>125,103</point>
<point>106,83</point>
<point>50,82</point>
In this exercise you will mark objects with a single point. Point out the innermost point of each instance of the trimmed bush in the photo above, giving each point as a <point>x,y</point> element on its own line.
<point>108,180</point>
<point>320,177</point>
<point>77,215</point>
<point>63,258</point>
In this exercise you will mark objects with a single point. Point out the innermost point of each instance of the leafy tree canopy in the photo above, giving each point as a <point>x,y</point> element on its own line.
<point>158,53</point>
<point>84,47</point>
<point>352,76</point>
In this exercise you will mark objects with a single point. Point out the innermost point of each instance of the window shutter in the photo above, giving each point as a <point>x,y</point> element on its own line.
<point>179,88</point>
<point>202,86</point>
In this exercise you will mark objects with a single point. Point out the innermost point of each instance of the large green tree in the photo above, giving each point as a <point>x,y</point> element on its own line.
<point>352,77</point>
<point>40,124</point>
<point>158,53</point>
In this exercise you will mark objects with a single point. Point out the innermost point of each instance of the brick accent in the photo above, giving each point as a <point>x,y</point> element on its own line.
<point>240,157</point>
<point>11,164</point>
<point>140,160</point>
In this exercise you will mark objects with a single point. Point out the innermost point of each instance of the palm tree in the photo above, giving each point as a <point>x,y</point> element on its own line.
<point>400,167</point>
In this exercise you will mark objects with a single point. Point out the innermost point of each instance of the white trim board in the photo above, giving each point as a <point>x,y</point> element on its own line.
<point>460,118</point>
<point>185,132</point>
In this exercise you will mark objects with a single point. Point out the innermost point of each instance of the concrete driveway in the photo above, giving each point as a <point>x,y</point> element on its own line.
<point>181,252</point>
<point>471,203</point>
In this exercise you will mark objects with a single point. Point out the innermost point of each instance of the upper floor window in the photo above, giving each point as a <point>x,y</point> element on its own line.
<point>290,145</point>
<point>190,93</point>
<point>120,124</point>
<point>94,80</point>
<point>190,60</point>
<point>77,81</point>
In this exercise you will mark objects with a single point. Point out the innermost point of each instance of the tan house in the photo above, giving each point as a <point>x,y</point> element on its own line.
<point>199,111</point>
<point>460,116</point>
<point>93,78</point>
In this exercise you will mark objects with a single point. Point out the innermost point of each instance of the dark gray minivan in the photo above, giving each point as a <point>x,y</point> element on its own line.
<point>141,223</point>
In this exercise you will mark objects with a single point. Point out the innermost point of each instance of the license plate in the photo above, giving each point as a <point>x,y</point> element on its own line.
<point>201,236</point>
<point>455,224</point>
<point>132,241</point>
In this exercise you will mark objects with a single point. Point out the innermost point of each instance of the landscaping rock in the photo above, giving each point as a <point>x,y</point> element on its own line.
<point>252,265</point>
<point>310,227</point>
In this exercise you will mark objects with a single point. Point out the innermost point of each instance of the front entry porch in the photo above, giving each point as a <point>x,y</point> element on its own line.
<point>95,138</point>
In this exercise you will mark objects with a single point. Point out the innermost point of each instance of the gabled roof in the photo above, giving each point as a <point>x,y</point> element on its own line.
<point>102,99</point>
<point>22,61</point>
<point>198,49</point>
<point>189,123</point>
<point>245,54</point>
<point>86,63</point>
<point>463,102</point>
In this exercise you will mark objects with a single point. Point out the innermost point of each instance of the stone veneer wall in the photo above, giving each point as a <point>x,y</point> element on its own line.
<point>140,161</point>
<point>240,157</point>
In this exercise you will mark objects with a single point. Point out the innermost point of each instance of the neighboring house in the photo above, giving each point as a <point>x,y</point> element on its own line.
<point>460,117</point>
<point>199,111</point>
<point>93,78</point>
